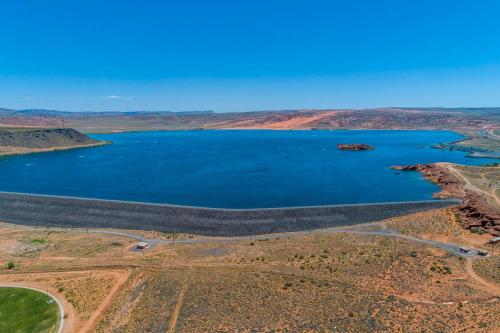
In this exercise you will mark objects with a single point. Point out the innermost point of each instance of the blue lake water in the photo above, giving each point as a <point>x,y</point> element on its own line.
<point>237,169</point>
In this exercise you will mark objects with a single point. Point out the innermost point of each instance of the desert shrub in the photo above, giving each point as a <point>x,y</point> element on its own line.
<point>38,241</point>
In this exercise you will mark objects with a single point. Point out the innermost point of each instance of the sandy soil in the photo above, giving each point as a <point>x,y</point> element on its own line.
<point>121,278</point>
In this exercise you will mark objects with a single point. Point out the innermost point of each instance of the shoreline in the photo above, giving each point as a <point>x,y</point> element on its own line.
<point>26,151</point>
<point>474,209</point>
<point>472,152</point>
<point>118,131</point>
<point>145,203</point>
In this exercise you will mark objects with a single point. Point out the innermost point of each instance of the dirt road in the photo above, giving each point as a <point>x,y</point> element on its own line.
<point>485,285</point>
<point>469,186</point>
<point>90,324</point>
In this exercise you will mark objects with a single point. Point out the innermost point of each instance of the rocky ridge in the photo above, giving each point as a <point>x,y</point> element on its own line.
<point>475,212</point>
<point>26,140</point>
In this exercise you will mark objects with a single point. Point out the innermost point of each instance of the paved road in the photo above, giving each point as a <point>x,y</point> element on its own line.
<point>369,229</point>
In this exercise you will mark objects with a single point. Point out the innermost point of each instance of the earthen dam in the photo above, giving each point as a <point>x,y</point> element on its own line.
<point>57,211</point>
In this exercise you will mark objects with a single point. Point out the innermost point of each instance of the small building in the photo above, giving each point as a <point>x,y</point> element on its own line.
<point>142,246</point>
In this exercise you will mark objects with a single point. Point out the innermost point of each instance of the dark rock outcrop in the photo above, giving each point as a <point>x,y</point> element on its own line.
<point>354,146</point>
<point>44,138</point>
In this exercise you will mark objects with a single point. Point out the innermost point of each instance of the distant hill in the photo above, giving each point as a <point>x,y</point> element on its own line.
<point>55,113</point>
<point>13,141</point>
<point>43,138</point>
<point>459,119</point>
<point>472,111</point>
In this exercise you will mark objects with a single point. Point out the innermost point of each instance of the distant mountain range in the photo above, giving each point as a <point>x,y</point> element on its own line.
<point>56,113</point>
<point>464,120</point>
<point>48,112</point>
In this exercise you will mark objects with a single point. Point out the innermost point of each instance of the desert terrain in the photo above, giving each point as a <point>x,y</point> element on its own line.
<point>403,274</point>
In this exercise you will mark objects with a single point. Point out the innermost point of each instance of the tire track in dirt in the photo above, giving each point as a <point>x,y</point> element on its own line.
<point>468,184</point>
<point>485,285</point>
<point>91,323</point>
<point>178,305</point>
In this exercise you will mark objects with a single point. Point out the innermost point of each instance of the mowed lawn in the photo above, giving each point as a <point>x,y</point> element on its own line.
<point>24,310</point>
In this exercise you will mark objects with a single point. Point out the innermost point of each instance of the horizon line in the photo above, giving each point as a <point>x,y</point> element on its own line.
<point>250,111</point>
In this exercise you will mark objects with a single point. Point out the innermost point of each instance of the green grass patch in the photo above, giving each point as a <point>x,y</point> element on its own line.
<point>38,241</point>
<point>24,310</point>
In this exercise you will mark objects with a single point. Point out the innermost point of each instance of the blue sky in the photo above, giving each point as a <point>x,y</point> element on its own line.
<point>226,55</point>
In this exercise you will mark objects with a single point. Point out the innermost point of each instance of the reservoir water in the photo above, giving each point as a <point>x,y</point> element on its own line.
<point>237,169</point>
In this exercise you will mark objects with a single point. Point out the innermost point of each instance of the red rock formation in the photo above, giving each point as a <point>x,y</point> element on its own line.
<point>474,210</point>
<point>406,167</point>
<point>354,146</point>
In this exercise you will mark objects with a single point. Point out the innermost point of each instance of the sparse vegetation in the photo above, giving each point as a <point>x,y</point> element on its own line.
<point>38,241</point>
<point>327,281</point>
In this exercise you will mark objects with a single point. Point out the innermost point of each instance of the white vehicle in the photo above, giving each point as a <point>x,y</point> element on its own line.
<point>482,253</point>
<point>494,240</point>
<point>142,246</point>
<point>464,250</point>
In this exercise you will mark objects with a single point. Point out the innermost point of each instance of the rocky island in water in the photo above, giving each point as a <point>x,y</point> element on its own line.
<point>354,146</point>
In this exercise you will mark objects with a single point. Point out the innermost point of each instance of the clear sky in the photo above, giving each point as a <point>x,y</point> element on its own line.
<point>235,55</point>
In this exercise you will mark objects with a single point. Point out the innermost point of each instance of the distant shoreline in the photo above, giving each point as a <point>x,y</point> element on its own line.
<point>26,151</point>
<point>118,131</point>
